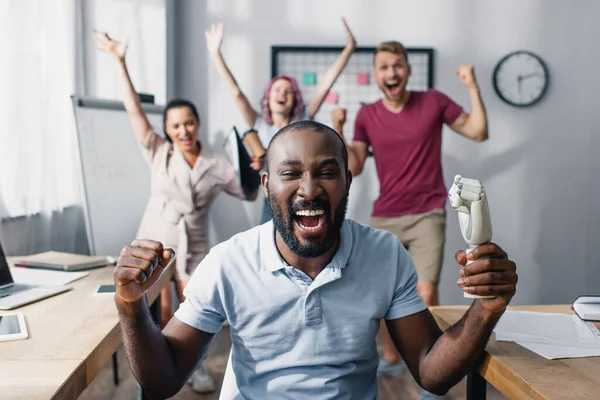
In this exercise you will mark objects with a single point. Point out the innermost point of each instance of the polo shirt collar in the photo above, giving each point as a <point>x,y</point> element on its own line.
<point>271,259</point>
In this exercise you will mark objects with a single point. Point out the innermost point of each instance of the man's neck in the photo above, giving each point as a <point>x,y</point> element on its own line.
<point>396,106</point>
<point>280,120</point>
<point>310,266</point>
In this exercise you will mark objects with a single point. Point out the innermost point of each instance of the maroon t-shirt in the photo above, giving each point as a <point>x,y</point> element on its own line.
<point>407,147</point>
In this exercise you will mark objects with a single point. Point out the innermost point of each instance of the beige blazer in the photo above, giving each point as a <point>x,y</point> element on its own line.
<point>180,198</point>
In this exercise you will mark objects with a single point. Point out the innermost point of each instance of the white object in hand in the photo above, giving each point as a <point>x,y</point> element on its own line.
<point>467,196</point>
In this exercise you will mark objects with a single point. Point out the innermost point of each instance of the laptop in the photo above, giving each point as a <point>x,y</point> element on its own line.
<point>13,295</point>
<point>56,260</point>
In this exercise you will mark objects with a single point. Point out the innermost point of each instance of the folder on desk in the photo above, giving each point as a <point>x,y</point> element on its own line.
<point>249,178</point>
<point>56,260</point>
<point>587,307</point>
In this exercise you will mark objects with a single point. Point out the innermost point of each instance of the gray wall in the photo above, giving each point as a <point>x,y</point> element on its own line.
<point>539,164</point>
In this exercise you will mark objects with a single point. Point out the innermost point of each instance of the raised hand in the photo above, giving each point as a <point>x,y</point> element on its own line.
<point>105,43</point>
<point>338,117</point>
<point>466,74</point>
<point>495,275</point>
<point>138,268</point>
<point>214,37</point>
<point>258,163</point>
<point>350,41</point>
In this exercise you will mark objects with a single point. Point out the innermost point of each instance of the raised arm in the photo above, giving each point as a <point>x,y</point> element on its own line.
<point>473,125</point>
<point>137,117</point>
<point>439,361</point>
<point>357,151</point>
<point>332,74</point>
<point>214,38</point>
<point>161,361</point>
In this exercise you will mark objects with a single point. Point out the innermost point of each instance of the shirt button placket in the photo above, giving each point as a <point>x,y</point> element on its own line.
<point>313,314</point>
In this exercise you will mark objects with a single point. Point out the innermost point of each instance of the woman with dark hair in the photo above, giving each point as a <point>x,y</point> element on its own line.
<point>282,102</point>
<point>185,180</point>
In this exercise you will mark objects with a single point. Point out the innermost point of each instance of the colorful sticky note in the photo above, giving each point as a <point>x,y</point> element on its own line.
<point>309,78</point>
<point>362,78</point>
<point>332,97</point>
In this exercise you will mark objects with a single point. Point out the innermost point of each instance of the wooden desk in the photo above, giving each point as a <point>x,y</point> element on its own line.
<point>71,337</point>
<point>521,374</point>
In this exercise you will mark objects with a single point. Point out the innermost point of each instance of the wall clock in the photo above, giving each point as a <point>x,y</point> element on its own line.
<point>521,79</point>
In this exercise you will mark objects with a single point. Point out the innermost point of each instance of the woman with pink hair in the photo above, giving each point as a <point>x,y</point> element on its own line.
<point>282,102</point>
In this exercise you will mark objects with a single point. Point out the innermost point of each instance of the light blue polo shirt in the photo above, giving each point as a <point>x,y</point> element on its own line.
<point>298,338</point>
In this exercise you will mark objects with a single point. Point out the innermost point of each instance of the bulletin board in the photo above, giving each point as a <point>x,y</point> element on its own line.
<point>355,86</point>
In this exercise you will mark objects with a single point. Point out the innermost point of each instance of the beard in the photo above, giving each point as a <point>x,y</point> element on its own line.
<point>285,227</point>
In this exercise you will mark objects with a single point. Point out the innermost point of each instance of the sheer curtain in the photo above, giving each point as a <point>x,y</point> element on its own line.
<point>39,181</point>
<point>47,55</point>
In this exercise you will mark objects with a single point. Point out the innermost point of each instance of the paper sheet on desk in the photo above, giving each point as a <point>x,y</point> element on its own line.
<point>551,335</point>
<point>33,276</point>
<point>553,352</point>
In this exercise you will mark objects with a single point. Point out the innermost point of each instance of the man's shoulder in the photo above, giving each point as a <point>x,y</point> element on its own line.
<point>238,243</point>
<point>240,252</point>
<point>378,249</point>
<point>430,95</point>
<point>431,99</point>
<point>372,240</point>
<point>369,114</point>
<point>370,107</point>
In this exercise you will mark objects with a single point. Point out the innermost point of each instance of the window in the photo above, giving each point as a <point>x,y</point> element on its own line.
<point>42,42</point>
<point>143,22</point>
<point>38,169</point>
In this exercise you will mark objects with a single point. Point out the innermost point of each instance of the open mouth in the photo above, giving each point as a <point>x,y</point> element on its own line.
<point>393,87</point>
<point>185,141</point>
<point>310,221</point>
<point>281,102</point>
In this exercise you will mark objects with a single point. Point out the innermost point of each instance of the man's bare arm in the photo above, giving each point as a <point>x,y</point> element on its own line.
<point>473,125</point>
<point>439,361</point>
<point>161,361</point>
<point>357,155</point>
<point>357,150</point>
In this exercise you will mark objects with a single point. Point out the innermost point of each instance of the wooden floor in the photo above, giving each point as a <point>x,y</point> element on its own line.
<point>402,387</point>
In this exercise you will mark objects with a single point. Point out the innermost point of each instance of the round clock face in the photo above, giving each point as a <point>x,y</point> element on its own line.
<point>521,79</point>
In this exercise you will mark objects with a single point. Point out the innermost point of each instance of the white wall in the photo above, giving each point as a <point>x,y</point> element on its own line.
<point>539,164</point>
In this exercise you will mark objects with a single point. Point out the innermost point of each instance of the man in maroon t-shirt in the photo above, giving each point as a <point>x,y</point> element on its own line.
<point>404,131</point>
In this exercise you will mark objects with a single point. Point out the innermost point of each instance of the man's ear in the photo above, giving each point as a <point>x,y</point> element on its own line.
<point>264,180</point>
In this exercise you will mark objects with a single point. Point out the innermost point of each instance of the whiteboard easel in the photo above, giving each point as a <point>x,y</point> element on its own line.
<point>115,177</point>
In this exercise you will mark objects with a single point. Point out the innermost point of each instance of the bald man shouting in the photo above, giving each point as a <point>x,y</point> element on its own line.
<point>304,293</point>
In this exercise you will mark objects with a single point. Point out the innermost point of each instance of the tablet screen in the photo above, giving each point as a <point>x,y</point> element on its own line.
<point>9,325</point>
<point>106,289</point>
